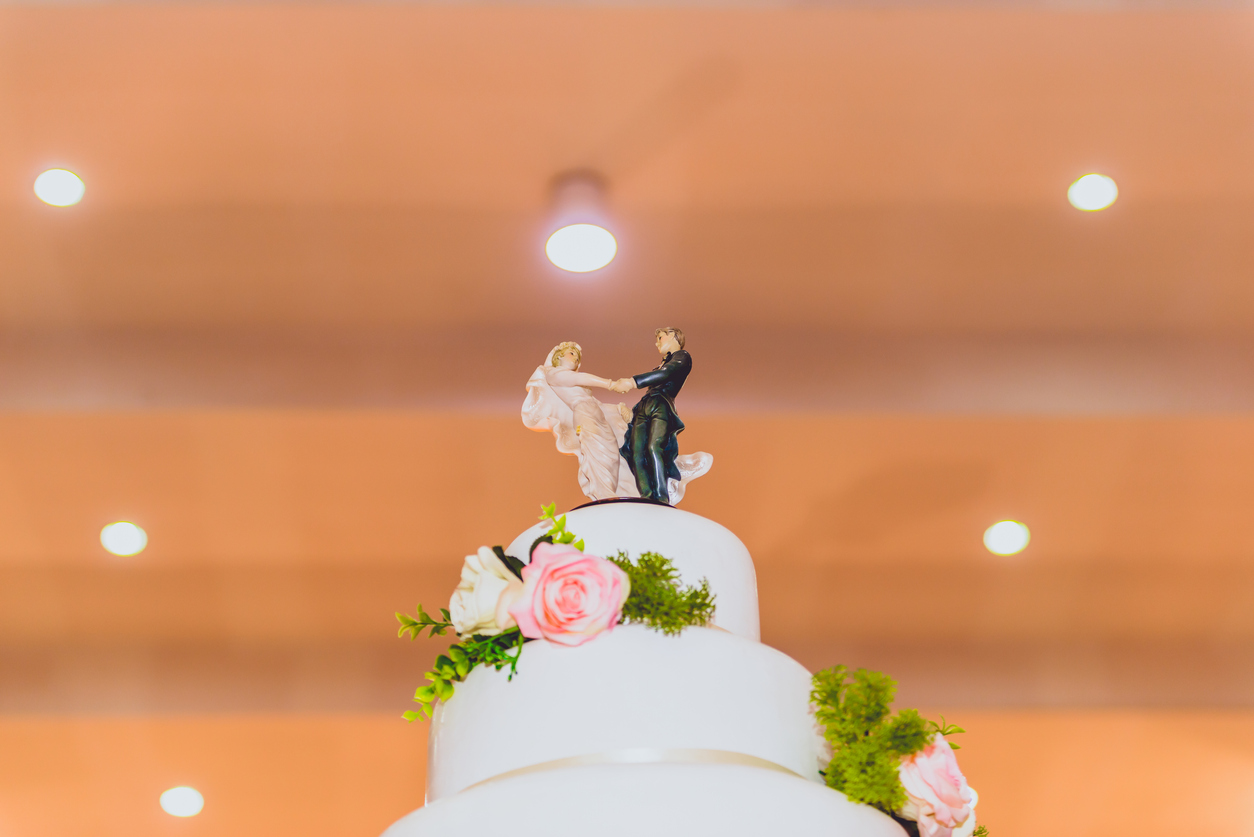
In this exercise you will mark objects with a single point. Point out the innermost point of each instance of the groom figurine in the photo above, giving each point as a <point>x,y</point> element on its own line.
<point>651,445</point>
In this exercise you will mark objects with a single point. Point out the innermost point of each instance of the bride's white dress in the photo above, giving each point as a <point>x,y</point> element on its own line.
<point>560,400</point>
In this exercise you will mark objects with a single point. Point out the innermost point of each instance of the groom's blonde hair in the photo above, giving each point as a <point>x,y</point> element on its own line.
<point>679,335</point>
<point>562,348</point>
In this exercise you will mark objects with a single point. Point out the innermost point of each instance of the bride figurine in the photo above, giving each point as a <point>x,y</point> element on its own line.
<point>560,399</point>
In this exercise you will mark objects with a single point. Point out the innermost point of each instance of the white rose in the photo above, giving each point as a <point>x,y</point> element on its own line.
<point>480,604</point>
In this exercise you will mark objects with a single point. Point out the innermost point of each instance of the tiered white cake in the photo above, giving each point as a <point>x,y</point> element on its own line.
<point>636,732</point>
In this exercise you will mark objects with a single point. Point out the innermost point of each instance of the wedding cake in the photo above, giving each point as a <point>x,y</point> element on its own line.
<point>635,732</point>
<point>608,677</point>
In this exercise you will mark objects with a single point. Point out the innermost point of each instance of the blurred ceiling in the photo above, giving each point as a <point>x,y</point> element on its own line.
<point>896,170</point>
<point>298,212</point>
<point>313,205</point>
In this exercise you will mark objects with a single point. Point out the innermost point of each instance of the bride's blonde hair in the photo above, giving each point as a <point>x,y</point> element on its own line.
<point>562,348</point>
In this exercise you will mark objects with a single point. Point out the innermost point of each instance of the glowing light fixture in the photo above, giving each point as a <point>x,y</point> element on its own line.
<point>1093,192</point>
<point>581,248</point>
<point>182,802</point>
<point>1006,537</point>
<point>582,243</point>
<point>59,187</point>
<point>123,538</point>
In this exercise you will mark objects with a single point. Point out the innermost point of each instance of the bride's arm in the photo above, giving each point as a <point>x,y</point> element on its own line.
<point>569,378</point>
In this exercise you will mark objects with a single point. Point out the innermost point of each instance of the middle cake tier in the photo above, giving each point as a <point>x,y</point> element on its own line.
<point>632,694</point>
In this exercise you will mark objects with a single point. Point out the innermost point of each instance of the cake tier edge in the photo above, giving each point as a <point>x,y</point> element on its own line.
<point>661,800</point>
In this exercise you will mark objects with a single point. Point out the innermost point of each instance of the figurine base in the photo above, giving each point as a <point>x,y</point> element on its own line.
<point>623,500</point>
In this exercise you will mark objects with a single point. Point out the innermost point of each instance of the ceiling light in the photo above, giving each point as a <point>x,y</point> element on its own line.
<point>581,248</point>
<point>582,243</point>
<point>1006,537</point>
<point>123,538</point>
<point>59,187</point>
<point>1093,192</point>
<point>182,802</point>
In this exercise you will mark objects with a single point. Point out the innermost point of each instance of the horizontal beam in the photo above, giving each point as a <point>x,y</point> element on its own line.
<point>323,638</point>
<point>738,369</point>
<point>381,675</point>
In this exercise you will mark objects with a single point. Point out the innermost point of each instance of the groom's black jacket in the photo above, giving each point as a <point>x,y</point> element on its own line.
<point>663,384</point>
<point>668,377</point>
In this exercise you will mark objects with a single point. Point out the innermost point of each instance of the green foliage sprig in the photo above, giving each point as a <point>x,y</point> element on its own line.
<point>658,600</point>
<point>557,531</point>
<point>453,666</point>
<point>415,625</point>
<point>868,740</point>
<point>947,730</point>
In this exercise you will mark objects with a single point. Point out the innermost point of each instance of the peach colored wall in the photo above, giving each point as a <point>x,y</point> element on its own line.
<point>282,530</point>
<point>382,487</point>
<point>1040,774</point>
<point>1140,526</point>
<point>1095,774</point>
<point>317,775</point>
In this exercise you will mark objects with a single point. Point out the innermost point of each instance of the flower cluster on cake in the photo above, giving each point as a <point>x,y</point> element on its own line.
<point>595,688</point>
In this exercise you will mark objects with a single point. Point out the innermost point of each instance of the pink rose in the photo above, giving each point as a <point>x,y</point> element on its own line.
<point>569,597</point>
<point>937,796</point>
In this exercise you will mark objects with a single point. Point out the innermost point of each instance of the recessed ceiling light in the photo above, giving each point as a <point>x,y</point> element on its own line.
<point>182,802</point>
<point>59,187</point>
<point>1006,537</point>
<point>581,248</point>
<point>123,538</point>
<point>1093,192</point>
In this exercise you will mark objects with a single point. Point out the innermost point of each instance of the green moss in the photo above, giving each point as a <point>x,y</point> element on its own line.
<point>657,598</point>
<point>905,733</point>
<point>868,741</point>
<point>865,772</point>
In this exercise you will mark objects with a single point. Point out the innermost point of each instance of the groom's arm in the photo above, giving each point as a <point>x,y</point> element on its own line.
<point>679,364</point>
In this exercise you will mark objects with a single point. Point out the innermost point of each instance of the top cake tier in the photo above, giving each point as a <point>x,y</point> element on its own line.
<point>700,548</point>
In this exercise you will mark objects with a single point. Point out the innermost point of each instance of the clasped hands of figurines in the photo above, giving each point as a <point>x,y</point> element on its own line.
<point>622,452</point>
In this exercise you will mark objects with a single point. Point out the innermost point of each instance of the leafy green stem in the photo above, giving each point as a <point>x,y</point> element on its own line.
<point>415,625</point>
<point>459,660</point>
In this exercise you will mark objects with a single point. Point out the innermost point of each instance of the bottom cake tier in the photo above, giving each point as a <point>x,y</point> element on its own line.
<point>658,799</point>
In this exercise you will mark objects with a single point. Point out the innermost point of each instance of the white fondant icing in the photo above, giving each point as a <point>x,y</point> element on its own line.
<point>658,800</point>
<point>699,547</point>
<point>630,688</point>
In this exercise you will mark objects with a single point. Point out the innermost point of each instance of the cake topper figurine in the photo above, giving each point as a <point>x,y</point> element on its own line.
<point>622,453</point>
<point>560,399</point>
<point>651,446</point>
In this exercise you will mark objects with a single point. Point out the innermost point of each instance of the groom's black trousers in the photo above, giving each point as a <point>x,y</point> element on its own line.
<point>650,429</point>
